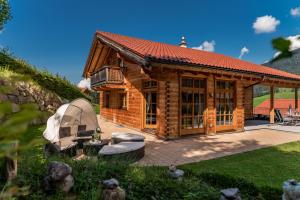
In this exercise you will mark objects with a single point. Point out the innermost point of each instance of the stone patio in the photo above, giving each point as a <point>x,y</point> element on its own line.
<point>197,148</point>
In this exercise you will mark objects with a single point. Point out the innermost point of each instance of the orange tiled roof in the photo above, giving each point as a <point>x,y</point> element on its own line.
<point>170,53</point>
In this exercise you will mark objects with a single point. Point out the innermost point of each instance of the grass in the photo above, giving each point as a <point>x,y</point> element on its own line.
<point>55,83</point>
<point>282,95</point>
<point>264,167</point>
<point>138,182</point>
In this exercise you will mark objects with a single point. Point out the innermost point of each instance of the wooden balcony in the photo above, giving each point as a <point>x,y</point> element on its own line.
<point>107,76</point>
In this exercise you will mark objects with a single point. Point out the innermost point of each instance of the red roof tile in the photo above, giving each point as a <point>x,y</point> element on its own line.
<point>171,53</point>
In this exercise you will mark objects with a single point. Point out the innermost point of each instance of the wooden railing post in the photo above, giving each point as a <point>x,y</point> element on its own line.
<point>272,112</point>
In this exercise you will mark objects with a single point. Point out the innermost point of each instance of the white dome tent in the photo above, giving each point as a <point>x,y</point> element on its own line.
<point>69,119</point>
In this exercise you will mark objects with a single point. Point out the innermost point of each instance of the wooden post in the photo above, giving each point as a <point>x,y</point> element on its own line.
<point>296,99</point>
<point>272,112</point>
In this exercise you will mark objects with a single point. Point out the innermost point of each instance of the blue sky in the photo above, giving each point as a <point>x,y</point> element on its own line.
<point>56,34</point>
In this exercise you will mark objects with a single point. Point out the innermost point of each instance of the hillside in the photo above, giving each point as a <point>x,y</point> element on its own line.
<point>46,80</point>
<point>21,83</point>
<point>291,64</point>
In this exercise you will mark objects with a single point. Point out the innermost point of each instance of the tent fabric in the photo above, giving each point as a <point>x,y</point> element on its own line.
<point>67,119</point>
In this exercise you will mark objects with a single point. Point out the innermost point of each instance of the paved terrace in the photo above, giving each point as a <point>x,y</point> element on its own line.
<point>197,148</point>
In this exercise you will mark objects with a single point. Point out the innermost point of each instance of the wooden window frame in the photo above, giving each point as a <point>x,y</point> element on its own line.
<point>224,126</point>
<point>152,88</point>
<point>123,100</point>
<point>194,90</point>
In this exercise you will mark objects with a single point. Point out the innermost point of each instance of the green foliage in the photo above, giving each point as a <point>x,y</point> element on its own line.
<point>248,189</point>
<point>283,46</point>
<point>60,86</point>
<point>4,13</point>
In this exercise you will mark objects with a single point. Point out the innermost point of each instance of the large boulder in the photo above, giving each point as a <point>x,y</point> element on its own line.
<point>59,177</point>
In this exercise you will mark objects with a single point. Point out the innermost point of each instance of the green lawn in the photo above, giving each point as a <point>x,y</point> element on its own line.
<point>264,167</point>
<point>282,95</point>
<point>251,171</point>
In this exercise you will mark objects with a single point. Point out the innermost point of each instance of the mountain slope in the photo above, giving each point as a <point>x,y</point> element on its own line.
<point>291,64</point>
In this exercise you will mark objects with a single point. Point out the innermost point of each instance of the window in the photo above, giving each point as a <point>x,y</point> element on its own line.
<point>225,102</point>
<point>192,103</point>
<point>151,99</point>
<point>106,99</point>
<point>149,84</point>
<point>123,101</point>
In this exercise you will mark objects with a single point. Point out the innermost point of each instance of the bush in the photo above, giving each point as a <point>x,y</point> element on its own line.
<point>247,188</point>
<point>54,83</point>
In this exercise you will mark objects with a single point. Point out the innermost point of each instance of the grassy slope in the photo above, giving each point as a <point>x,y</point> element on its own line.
<point>56,84</point>
<point>283,95</point>
<point>264,167</point>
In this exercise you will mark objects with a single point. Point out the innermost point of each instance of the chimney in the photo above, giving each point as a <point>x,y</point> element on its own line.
<point>183,42</point>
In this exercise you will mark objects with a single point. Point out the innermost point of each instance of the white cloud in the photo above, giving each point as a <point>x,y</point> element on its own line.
<point>295,12</point>
<point>244,51</point>
<point>206,46</point>
<point>85,83</point>
<point>265,24</point>
<point>295,44</point>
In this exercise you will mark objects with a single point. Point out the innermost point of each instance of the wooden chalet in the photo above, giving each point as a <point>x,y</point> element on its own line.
<point>173,91</point>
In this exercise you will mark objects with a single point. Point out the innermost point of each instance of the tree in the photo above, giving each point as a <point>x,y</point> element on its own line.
<point>282,45</point>
<point>5,14</point>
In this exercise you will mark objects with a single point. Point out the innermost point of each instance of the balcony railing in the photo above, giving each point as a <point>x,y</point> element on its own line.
<point>107,75</point>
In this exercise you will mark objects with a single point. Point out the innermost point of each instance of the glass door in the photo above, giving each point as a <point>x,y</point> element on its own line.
<point>225,104</point>
<point>150,109</point>
<point>150,103</point>
<point>192,105</point>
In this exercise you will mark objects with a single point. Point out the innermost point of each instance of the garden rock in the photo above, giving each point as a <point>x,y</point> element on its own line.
<point>230,194</point>
<point>110,183</point>
<point>291,190</point>
<point>112,191</point>
<point>114,194</point>
<point>175,173</point>
<point>59,177</point>
<point>58,170</point>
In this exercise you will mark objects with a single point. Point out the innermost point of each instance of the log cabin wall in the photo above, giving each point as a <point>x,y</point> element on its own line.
<point>239,110</point>
<point>132,116</point>
<point>248,99</point>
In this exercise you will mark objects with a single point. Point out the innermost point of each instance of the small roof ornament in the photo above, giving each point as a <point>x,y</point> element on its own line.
<point>183,42</point>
